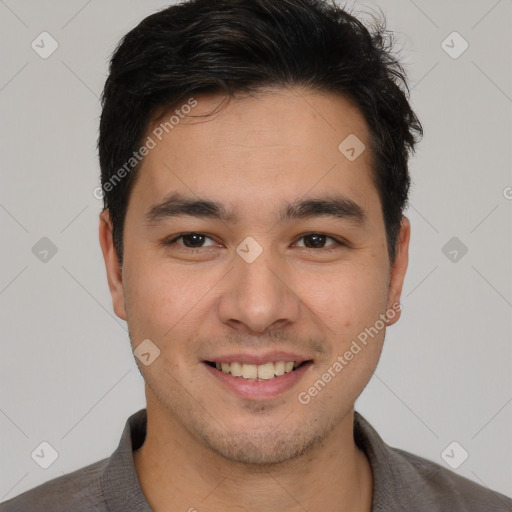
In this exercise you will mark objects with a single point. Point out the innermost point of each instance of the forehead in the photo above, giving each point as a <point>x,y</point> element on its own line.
<point>257,148</point>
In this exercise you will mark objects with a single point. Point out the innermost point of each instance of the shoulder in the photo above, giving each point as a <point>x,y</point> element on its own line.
<point>438,488</point>
<point>78,491</point>
<point>405,481</point>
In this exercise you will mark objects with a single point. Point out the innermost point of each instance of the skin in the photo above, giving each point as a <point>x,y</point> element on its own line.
<point>207,448</point>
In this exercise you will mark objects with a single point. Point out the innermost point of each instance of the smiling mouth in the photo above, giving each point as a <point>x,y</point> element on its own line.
<point>258,372</point>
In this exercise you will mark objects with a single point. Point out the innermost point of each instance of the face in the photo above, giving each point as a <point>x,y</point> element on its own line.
<point>286,263</point>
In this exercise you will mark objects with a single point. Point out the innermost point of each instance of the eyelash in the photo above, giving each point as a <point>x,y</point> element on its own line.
<point>338,243</point>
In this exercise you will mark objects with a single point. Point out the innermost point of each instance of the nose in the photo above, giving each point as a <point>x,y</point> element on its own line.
<point>259,296</point>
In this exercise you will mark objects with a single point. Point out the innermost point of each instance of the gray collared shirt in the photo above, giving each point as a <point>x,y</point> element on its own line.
<point>401,481</point>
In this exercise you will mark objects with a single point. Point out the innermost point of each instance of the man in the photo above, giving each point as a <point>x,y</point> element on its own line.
<point>254,168</point>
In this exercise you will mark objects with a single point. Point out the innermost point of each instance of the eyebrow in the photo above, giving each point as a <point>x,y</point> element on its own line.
<point>178,205</point>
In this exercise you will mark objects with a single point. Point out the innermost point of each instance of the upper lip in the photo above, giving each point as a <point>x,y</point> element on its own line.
<point>257,359</point>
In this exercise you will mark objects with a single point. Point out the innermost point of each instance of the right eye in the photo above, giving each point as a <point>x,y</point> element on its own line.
<point>190,240</point>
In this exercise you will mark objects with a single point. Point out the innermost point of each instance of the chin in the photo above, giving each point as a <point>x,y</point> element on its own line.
<point>260,452</point>
<point>264,450</point>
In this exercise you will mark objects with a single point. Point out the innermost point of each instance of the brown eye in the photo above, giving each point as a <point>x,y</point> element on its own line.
<point>318,240</point>
<point>190,240</point>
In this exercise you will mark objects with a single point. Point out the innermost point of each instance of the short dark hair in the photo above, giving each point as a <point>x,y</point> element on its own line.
<point>246,46</point>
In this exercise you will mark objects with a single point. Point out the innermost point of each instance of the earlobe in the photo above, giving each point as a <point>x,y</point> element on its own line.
<point>114,272</point>
<point>399,269</point>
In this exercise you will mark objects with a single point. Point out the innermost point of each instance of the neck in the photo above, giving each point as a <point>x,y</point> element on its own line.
<point>177,472</point>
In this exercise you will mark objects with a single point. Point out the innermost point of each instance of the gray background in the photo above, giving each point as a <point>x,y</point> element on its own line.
<point>68,375</point>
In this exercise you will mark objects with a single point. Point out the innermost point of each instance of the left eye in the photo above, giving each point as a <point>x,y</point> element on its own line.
<point>318,239</point>
<point>196,240</point>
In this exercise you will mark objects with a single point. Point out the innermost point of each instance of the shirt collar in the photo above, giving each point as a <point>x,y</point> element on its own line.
<point>391,481</point>
<point>119,481</point>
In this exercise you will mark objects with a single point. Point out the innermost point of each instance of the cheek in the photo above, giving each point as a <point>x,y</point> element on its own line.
<point>152,299</point>
<point>348,300</point>
<point>165,304</point>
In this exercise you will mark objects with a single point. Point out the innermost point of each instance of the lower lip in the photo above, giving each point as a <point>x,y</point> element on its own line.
<point>258,390</point>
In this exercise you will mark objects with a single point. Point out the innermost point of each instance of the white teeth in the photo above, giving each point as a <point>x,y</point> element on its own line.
<point>249,371</point>
<point>279,368</point>
<point>265,371</point>
<point>236,369</point>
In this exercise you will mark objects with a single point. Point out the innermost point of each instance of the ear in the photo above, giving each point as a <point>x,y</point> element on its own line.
<point>399,268</point>
<point>114,270</point>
